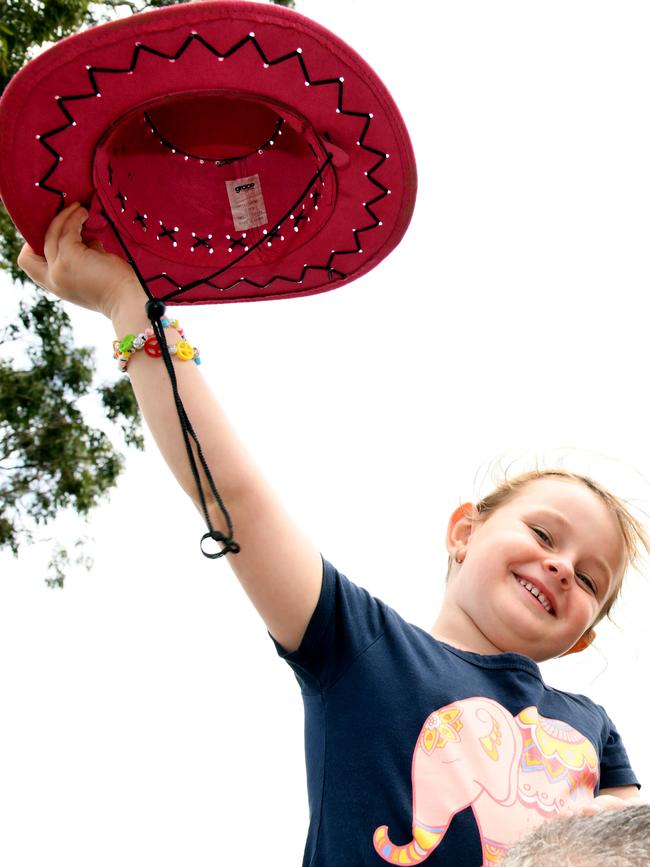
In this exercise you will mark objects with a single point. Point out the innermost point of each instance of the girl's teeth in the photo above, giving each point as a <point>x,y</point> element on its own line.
<point>537,593</point>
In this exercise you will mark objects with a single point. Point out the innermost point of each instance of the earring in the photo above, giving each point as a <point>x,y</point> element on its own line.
<point>581,643</point>
<point>459,559</point>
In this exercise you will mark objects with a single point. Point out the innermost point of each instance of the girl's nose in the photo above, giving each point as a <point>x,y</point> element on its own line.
<point>560,569</point>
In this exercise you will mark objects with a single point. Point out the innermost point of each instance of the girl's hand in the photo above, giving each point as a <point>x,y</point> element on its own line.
<point>73,271</point>
<point>602,802</point>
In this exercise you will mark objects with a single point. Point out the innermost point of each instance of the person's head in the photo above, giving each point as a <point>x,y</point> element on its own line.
<point>616,838</point>
<point>557,534</point>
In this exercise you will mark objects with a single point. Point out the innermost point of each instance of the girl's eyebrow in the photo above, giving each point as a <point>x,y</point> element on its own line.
<point>560,518</point>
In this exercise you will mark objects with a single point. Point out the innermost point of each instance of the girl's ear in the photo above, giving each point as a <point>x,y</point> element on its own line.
<point>581,643</point>
<point>460,526</point>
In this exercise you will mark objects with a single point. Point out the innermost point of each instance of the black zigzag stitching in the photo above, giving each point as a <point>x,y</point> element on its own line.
<point>250,38</point>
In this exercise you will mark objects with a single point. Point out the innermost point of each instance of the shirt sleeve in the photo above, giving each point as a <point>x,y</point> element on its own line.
<point>615,768</point>
<point>345,622</point>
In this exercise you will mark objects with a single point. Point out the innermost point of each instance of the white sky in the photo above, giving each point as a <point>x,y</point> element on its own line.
<point>146,718</point>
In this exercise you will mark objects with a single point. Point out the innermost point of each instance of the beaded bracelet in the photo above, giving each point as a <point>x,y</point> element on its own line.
<point>125,348</point>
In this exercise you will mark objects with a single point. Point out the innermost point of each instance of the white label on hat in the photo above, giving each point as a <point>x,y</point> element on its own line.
<point>246,203</point>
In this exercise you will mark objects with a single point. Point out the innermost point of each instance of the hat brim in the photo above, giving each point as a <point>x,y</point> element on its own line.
<point>322,208</point>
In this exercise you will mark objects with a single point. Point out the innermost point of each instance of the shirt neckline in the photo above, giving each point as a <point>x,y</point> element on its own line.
<point>492,660</point>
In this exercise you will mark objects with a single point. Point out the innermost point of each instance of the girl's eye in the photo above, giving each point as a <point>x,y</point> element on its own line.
<point>590,584</point>
<point>543,535</point>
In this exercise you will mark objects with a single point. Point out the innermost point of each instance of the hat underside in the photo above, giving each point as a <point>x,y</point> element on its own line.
<point>254,183</point>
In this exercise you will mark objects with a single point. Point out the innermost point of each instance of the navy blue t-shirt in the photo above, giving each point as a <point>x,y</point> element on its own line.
<point>418,752</point>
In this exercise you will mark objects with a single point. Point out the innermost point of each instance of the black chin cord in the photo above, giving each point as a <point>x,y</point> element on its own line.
<point>155,311</point>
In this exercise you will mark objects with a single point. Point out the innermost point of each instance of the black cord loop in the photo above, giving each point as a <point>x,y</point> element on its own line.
<point>230,546</point>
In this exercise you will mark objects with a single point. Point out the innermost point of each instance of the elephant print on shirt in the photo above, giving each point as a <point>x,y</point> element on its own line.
<point>514,772</point>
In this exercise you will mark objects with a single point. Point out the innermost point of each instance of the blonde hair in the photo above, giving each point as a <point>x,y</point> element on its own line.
<point>634,533</point>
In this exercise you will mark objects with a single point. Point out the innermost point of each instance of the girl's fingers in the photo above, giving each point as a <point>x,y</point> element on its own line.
<point>71,231</point>
<point>34,266</point>
<point>55,231</point>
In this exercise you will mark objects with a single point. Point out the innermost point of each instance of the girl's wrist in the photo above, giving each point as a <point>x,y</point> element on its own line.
<point>129,315</point>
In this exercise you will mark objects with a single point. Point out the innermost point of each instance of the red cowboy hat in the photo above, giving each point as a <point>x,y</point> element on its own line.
<point>228,150</point>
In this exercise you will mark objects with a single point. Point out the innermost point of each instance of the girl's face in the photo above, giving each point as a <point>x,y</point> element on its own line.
<point>555,537</point>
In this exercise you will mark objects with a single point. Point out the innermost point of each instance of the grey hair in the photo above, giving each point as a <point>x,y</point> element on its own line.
<point>615,837</point>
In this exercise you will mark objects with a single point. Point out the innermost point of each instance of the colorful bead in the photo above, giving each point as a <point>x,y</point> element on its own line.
<point>184,350</point>
<point>152,348</point>
<point>126,342</point>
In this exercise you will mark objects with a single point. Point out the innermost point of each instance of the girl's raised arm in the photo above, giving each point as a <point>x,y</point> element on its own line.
<point>278,567</point>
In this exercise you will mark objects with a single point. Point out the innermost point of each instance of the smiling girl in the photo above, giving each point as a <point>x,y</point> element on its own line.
<point>442,747</point>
